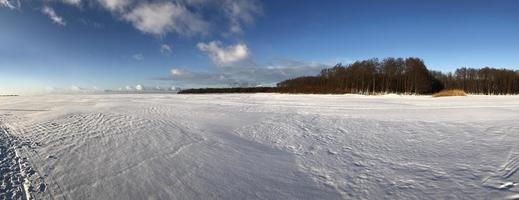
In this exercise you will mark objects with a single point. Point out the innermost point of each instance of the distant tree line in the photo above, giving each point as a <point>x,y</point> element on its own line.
<point>390,75</point>
<point>230,90</point>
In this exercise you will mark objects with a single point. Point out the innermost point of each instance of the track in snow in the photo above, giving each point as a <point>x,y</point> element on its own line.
<point>12,180</point>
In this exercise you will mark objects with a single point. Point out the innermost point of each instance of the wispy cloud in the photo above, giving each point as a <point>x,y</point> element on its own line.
<point>165,49</point>
<point>224,55</point>
<point>179,72</point>
<point>11,4</point>
<point>72,2</point>
<point>161,18</point>
<point>238,13</point>
<point>53,16</point>
<point>115,5</point>
<point>241,12</point>
<point>91,23</point>
<point>138,56</point>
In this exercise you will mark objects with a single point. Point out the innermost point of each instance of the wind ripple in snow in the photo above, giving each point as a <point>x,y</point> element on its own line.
<point>361,158</point>
<point>505,178</point>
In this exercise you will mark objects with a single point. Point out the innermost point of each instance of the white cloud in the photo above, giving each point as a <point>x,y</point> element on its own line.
<point>224,56</point>
<point>138,56</point>
<point>161,18</point>
<point>73,2</point>
<point>237,12</point>
<point>241,12</point>
<point>11,4</point>
<point>179,72</point>
<point>53,16</point>
<point>165,49</point>
<point>139,87</point>
<point>115,5</point>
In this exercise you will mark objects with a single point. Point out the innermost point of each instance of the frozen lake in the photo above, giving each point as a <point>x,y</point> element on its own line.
<point>259,146</point>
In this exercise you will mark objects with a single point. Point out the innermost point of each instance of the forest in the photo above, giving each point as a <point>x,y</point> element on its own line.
<point>390,75</point>
<point>229,90</point>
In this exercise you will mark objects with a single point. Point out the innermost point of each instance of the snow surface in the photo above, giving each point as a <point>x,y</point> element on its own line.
<point>259,146</point>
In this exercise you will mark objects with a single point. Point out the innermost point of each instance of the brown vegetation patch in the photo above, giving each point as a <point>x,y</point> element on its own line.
<point>450,93</point>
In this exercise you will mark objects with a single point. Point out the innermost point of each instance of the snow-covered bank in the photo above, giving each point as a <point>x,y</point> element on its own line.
<point>268,146</point>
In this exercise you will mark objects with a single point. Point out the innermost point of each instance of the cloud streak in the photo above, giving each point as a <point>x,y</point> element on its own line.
<point>53,16</point>
<point>11,4</point>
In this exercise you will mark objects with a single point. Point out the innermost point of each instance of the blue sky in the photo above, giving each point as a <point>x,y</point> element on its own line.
<point>88,45</point>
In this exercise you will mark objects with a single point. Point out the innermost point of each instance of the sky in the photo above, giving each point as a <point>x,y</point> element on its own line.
<point>49,46</point>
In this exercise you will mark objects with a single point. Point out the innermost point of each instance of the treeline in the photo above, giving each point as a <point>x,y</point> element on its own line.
<point>489,81</point>
<point>407,76</point>
<point>230,90</point>
<point>390,75</point>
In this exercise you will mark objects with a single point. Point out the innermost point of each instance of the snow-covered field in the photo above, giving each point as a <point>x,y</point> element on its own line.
<point>259,146</point>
